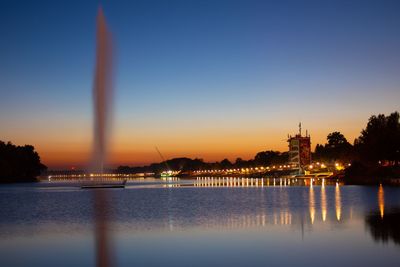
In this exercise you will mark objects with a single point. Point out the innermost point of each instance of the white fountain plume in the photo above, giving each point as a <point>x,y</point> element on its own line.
<point>102,99</point>
<point>102,95</point>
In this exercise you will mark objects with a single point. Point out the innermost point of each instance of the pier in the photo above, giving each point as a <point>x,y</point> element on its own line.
<point>261,182</point>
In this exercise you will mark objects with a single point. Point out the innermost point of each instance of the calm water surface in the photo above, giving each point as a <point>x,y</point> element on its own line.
<point>154,224</point>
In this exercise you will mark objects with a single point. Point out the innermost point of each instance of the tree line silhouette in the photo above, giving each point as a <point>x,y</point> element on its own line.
<point>374,155</point>
<point>378,144</point>
<point>264,158</point>
<point>337,149</point>
<point>19,163</point>
<point>377,152</point>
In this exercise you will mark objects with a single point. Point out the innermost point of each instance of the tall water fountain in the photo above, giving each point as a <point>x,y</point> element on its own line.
<point>102,95</point>
<point>102,100</point>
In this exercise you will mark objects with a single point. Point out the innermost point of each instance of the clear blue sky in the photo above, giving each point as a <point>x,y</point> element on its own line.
<point>210,79</point>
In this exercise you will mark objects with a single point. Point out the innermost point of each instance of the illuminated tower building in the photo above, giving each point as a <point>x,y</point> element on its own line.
<point>299,150</point>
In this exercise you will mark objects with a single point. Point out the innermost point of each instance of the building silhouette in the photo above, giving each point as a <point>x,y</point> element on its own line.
<point>299,150</point>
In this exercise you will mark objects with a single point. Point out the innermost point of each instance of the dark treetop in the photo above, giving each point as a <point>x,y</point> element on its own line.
<point>19,163</point>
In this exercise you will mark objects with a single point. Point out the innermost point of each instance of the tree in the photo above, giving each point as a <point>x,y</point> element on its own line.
<point>19,163</point>
<point>266,158</point>
<point>240,163</point>
<point>336,139</point>
<point>225,164</point>
<point>380,140</point>
<point>337,148</point>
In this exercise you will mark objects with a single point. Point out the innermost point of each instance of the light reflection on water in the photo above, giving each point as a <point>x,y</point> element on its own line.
<point>381,201</point>
<point>323,202</point>
<point>312,203</point>
<point>338,202</point>
<point>182,223</point>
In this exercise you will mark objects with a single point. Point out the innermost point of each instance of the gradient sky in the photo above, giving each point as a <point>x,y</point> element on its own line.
<point>208,79</point>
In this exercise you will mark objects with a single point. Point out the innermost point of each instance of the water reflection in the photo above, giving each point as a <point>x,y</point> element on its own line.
<point>311,203</point>
<point>338,202</point>
<point>384,229</point>
<point>199,222</point>
<point>323,201</point>
<point>381,200</point>
<point>104,253</point>
<point>259,182</point>
<point>179,206</point>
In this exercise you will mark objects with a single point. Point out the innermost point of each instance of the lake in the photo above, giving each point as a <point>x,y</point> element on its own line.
<point>159,223</point>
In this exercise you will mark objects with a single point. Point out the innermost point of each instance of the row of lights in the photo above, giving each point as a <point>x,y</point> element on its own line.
<point>338,166</point>
<point>247,169</point>
<point>243,170</point>
<point>96,175</point>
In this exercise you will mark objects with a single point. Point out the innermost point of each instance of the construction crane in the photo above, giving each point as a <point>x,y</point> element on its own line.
<point>161,156</point>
